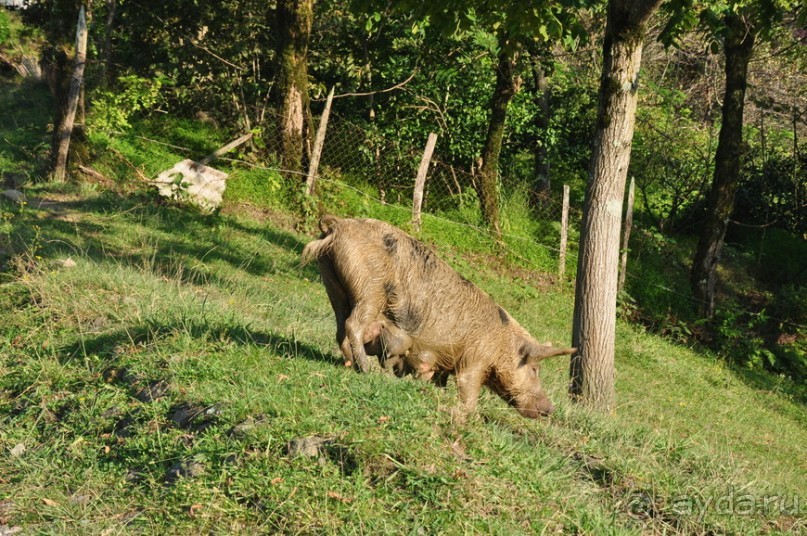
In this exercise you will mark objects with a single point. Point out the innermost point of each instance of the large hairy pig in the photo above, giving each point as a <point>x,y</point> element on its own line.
<point>390,291</point>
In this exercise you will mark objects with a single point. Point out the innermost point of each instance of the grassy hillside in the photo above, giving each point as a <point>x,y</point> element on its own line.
<point>165,382</point>
<point>166,372</point>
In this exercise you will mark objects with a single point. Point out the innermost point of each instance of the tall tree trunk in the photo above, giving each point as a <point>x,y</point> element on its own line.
<point>594,325</point>
<point>738,46</point>
<point>506,87</point>
<point>294,20</point>
<point>111,8</point>
<point>541,166</point>
<point>64,130</point>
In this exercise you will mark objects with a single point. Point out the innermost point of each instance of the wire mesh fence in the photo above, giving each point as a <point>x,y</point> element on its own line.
<point>384,170</point>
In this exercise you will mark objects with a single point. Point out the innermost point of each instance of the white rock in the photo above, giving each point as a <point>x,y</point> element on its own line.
<point>191,181</point>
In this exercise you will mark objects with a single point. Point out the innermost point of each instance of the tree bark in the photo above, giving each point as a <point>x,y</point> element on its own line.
<point>506,88</point>
<point>541,166</point>
<point>65,127</point>
<point>623,262</point>
<point>594,325</point>
<point>294,20</point>
<point>111,6</point>
<point>738,46</point>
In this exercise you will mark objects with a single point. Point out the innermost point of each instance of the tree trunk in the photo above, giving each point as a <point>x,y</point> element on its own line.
<point>594,324</point>
<point>506,87</point>
<point>294,19</point>
<point>64,129</point>
<point>541,166</point>
<point>111,6</point>
<point>738,46</point>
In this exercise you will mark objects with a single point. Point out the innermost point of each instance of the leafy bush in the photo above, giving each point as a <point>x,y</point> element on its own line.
<point>112,109</point>
<point>5,27</point>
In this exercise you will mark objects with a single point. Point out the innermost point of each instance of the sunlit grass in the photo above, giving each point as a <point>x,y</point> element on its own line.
<point>167,312</point>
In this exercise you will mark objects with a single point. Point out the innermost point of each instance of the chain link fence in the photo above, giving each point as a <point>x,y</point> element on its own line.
<point>385,170</point>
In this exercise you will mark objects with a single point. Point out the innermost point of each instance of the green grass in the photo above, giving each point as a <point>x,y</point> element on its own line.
<point>155,386</point>
<point>215,316</point>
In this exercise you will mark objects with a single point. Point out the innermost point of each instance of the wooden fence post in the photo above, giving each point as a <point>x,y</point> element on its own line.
<point>319,142</point>
<point>564,232</point>
<point>66,128</point>
<point>623,263</point>
<point>420,181</point>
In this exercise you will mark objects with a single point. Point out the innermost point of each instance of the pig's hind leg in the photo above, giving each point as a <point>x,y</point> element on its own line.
<point>361,318</point>
<point>341,304</point>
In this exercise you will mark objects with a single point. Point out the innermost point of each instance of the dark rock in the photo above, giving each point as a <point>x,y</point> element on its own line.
<point>184,469</point>
<point>152,392</point>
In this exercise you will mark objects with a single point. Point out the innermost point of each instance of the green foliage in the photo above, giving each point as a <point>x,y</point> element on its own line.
<point>672,156</point>
<point>771,182</point>
<point>23,129</point>
<point>258,187</point>
<point>113,109</point>
<point>5,27</point>
<point>734,335</point>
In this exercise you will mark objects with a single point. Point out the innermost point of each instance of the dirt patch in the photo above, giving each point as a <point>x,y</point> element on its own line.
<point>534,278</point>
<point>249,211</point>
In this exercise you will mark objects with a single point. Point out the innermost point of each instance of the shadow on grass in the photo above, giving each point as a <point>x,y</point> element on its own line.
<point>110,346</point>
<point>179,240</point>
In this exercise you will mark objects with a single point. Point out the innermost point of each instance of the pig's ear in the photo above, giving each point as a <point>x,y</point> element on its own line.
<point>532,353</point>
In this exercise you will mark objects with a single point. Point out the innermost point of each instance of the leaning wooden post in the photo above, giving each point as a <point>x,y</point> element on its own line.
<point>318,144</point>
<point>420,181</point>
<point>564,232</point>
<point>623,262</point>
<point>66,128</point>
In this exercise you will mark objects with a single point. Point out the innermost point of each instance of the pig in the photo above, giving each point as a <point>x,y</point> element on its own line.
<point>393,346</point>
<point>388,289</point>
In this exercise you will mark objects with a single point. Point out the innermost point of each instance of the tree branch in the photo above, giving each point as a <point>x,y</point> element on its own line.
<point>367,94</point>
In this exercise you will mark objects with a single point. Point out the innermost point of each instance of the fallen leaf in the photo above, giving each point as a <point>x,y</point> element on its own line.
<point>18,450</point>
<point>49,502</point>
<point>334,495</point>
<point>277,480</point>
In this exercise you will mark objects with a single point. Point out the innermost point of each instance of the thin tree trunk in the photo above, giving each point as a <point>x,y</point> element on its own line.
<point>65,128</point>
<point>112,6</point>
<point>420,180</point>
<point>564,233</point>
<point>319,143</point>
<point>506,87</point>
<point>294,20</point>
<point>738,46</point>
<point>594,325</point>
<point>623,262</point>
<point>542,95</point>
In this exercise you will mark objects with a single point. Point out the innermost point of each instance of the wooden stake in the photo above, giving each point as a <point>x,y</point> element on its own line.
<point>227,148</point>
<point>420,181</point>
<point>66,128</point>
<point>623,263</point>
<point>564,232</point>
<point>319,142</point>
